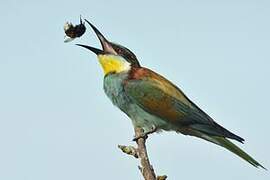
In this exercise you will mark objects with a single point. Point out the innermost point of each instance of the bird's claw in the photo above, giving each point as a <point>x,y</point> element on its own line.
<point>144,135</point>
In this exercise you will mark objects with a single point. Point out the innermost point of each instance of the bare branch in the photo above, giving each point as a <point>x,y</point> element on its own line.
<point>140,152</point>
<point>146,168</point>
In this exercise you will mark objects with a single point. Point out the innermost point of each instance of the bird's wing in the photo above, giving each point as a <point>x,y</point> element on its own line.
<point>160,97</point>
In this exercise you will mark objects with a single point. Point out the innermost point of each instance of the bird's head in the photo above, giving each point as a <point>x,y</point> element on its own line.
<point>113,57</point>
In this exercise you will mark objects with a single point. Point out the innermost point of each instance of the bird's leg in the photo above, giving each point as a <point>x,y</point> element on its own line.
<point>144,135</point>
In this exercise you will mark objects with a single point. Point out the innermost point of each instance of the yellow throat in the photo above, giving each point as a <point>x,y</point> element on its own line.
<point>113,64</point>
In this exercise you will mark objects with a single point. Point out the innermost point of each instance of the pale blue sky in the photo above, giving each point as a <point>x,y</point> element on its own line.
<point>56,122</point>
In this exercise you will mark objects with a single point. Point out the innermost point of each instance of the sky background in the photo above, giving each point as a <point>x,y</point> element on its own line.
<point>56,122</point>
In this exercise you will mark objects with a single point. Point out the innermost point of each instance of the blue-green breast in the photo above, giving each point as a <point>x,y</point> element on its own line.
<point>114,89</point>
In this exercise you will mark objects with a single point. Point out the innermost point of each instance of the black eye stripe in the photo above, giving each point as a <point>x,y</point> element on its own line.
<point>126,54</point>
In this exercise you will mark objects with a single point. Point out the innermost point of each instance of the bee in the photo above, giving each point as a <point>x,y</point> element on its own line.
<point>72,31</point>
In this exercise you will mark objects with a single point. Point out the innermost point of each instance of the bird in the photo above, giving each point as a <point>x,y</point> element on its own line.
<point>154,103</point>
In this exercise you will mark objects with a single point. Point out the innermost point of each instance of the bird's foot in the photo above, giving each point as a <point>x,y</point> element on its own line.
<point>144,135</point>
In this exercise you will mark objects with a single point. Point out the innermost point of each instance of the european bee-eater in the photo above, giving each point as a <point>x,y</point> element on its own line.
<point>153,102</point>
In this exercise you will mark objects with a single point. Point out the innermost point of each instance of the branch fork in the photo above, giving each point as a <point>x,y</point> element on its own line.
<point>140,152</point>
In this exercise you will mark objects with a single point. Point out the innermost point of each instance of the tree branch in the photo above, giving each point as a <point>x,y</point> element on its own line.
<point>146,168</point>
<point>140,152</point>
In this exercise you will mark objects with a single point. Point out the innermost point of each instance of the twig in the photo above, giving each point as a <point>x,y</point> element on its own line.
<point>146,168</point>
<point>130,150</point>
<point>164,177</point>
<point>141,152</point>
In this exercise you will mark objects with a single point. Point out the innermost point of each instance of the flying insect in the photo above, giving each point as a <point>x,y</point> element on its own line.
<point>72,31</point>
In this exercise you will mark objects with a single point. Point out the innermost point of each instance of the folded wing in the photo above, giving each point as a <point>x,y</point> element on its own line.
<point>160,97</point>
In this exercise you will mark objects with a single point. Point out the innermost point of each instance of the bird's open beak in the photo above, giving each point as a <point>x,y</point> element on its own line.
<point>94,50</point>
<point>106,45</point>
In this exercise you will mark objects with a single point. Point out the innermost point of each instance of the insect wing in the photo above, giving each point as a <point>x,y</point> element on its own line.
<point>68,39</point>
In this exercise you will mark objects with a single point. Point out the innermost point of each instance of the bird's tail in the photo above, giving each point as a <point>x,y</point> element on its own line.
<point>233,148</point>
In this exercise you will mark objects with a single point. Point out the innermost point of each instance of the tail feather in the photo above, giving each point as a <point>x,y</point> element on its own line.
<point>216,130</point>
<point>233,148</point>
